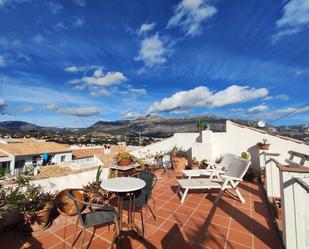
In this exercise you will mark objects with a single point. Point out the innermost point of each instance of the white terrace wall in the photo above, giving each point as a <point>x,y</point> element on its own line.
<point>56,184</point>
<point>237,139</point>
<point>183,140</point>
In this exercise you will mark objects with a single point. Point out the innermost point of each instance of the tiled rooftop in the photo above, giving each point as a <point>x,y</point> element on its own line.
<point>194,224</point>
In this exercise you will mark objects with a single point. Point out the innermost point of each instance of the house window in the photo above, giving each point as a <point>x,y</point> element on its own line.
<point>63,158</point>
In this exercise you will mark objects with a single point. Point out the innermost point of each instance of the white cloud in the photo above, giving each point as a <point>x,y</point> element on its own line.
<point>27,109</point>
<point>100,79</point>
<point>79,22</point>
<point>55,8</point>
<point>202,97</point>
<point>2,61</point>
<point>99,92</point>
<point>72,69</point>
<point>285,111</point>
<point>2,103</point>
<point>136,91</point>
<point>61,25</point>
<point>76,69</point>
<point>190,14</point>
<point>2,2</point>
<point>295,18</point>
<point>98,83</point>
<point>129,115</point>
<point>81,3</point>
<point>79,112</point>
<point>152,51</point>
<point>38,38</point>
<point>283,33</point>
<point>3,106</point>
<point>278,97</point>
<point>258,109</point>
<point>145,27</point>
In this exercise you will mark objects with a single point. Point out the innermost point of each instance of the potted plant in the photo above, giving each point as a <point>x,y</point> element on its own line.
<point>179,159</point>
<point>194,163</point>
<point>38,208</point>
<point>124,159</point>
<point>264,145</point>
<point>94,193</point>
<point>245,155</point>
<point>22,201</point>
<point>204,163</point>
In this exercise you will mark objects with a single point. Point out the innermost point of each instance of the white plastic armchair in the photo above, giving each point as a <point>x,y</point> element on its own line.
<point>224,164</point>
<point>230,179</point>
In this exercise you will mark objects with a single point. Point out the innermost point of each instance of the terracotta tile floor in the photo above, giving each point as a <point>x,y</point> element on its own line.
<point>194,224</point>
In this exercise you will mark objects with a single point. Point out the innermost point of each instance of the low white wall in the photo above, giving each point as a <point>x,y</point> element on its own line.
<point>56,184</point>
<point>237,139</point>
<point>180,140</point>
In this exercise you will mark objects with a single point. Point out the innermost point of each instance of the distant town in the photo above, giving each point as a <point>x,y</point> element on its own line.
<point>141,131</point>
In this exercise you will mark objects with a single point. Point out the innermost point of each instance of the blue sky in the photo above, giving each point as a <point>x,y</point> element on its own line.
<point>71,63</point>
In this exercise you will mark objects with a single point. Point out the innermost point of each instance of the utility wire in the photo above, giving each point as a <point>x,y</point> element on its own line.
<point>289,113</point>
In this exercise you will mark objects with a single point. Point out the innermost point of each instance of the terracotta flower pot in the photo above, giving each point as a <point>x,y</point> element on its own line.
<point>263,146</point>
<point>124,162</point>
<point>178,163</point>
<point>38,220</point>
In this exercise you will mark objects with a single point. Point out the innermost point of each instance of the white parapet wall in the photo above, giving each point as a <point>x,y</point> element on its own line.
<point>56,184</point>
<point>237,138</point>
<point>180,140</point>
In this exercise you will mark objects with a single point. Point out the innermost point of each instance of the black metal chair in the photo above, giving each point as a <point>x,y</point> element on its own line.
<point>143,196</point>
<point>94,215</point>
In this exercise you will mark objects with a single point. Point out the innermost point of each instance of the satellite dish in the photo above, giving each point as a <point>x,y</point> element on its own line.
<point>261,123</point>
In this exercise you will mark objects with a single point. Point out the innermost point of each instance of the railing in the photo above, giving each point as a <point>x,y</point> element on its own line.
<point>302,183</point>
<point>272,174</point>
<point>294,184</point>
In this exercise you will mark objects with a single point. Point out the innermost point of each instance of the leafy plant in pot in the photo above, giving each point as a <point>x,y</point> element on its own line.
<point>38,208</point>
<point>94,193</point>
<point>124,159</point>
<point>204,164</point>
<point>23,202</point>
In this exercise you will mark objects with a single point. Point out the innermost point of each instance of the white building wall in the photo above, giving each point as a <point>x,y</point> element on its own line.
<point>57,157</point>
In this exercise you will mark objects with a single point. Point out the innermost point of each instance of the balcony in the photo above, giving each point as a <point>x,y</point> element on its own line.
<point>197,223</point>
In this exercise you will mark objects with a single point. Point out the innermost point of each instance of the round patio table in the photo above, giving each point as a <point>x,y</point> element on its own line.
<point>123,186</point>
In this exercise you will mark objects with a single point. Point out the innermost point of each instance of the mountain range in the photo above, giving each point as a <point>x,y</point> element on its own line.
<point>157,126</point>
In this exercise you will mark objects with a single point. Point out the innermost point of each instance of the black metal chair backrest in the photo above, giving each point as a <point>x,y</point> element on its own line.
<point>150,180</point>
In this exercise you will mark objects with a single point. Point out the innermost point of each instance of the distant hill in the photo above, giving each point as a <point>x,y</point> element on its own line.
<point>18,125</point>
<point>158,126</point>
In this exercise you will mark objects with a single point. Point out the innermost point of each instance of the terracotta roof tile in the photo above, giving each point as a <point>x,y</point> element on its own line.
<point>33,147</point>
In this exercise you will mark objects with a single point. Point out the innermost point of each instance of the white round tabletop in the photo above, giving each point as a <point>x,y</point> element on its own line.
<point>123,184</point>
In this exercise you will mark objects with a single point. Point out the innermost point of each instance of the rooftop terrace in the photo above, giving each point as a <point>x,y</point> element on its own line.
<point>197,223</point>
